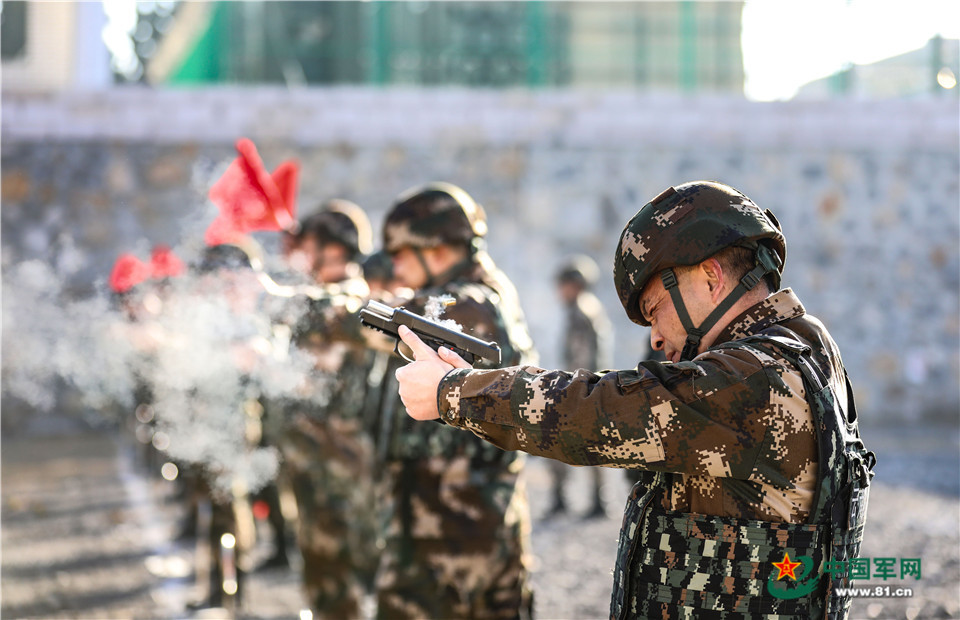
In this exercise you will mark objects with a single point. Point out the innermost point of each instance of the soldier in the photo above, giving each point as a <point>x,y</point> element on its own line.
<point>381,391</point>
<point>249,199</point>
<point>140,290</point>
<point>586,344</point>
<point>326,447</point>
<point>456,541</point>
<point>126,281</point>
<point>750,426</point>
<point>226,274</point>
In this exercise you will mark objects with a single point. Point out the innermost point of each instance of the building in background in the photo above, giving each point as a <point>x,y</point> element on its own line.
<point>53,46</point>
<point>931,70</point>
<point>665,46</point>
<point>685,46</point>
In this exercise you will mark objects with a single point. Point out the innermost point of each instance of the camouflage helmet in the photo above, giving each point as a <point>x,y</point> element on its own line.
<point>340,221</point>
<point>685,225</point>
<point>580,269</point>
<point>431,215</point>
<point>243,252</point>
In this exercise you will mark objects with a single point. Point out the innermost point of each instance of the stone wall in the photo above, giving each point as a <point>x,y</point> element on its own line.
<point>867,193</point>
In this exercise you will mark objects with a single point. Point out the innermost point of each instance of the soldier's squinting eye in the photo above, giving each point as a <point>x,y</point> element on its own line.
<point>651,308</point>
<point>647,311</point>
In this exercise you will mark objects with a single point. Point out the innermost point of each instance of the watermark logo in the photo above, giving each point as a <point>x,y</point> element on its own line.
<point>792,578</point>
<point>800,585</point>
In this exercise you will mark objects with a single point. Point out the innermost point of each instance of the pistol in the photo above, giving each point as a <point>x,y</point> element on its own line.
<point>388,320</point>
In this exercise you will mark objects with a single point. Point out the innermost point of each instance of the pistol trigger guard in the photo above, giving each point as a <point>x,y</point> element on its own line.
<point>396,349</point>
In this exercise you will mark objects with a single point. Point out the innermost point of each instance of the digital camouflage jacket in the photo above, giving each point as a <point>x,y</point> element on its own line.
<point>456,538</point>
<point>731,434</point>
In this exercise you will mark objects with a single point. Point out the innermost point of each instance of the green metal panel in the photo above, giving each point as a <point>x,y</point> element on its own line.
<point>641,32</point>
<point>204,62</point>
<point>688,46</point>
<point>474,43</point>
<point>380,40</point>
<point>536,44</point>
<point>841,82</point>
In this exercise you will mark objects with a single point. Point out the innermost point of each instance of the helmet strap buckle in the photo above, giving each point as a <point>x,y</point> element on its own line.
<point>751,279</point>
<point>669,278</point>
<point>767,262</point>
<point>692,346</point>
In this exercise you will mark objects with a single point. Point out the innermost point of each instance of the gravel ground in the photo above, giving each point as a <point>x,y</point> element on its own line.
<point>86,533</point>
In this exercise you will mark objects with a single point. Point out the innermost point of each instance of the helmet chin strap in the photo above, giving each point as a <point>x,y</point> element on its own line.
<point>767,261</point>
<point>441,278</point>
<point>426,270</point>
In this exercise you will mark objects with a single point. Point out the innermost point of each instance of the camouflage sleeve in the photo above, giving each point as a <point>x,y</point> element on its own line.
<point>704,417</point>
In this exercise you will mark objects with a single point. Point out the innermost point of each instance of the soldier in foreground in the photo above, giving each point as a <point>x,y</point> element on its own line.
<point>457,516</point>
<point>761,480</point>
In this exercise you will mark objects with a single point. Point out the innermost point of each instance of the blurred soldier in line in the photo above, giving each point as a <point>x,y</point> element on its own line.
<point>249,198</point>
<point>139,290</point>
<point>587,343</point>
<point>456,538</point>
<point>285,280</point>
<point>326,447</point>
<point>381,398</point>
<point>225,519</point>
<point>134,303</point>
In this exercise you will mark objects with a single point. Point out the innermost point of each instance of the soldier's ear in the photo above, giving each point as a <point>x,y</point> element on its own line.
<point>713,276</point>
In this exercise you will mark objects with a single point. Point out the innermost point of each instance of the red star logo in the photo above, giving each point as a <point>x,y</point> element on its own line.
<point>787,568</point>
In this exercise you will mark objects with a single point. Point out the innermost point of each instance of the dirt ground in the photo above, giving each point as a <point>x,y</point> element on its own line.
<point>87,532</point>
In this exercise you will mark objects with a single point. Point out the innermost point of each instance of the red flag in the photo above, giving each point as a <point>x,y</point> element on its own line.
<point>286,176</point>
<point>224,230</point>
<point>251,198</point>
<point>127,272</point>
<point>164,263</point>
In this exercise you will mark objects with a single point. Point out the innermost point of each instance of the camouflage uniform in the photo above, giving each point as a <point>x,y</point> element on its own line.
<point>739,437</point>
<point>327,457</point>
<point>326,444</point>
<point>587,343</point>
<point>457,531</point>
<point>221,494</point>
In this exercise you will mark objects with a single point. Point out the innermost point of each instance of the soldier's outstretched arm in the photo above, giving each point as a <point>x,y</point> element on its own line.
<point>708,417</point>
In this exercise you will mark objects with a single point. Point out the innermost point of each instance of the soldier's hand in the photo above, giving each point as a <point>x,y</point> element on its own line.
<point>420,379</point>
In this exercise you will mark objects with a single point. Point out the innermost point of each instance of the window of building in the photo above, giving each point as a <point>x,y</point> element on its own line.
<point>13,29</point>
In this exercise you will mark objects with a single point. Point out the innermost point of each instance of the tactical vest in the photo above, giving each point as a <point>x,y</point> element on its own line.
<point>684,565</point>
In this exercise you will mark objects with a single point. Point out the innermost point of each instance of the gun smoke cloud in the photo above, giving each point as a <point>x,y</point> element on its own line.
<point>198,351</point>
